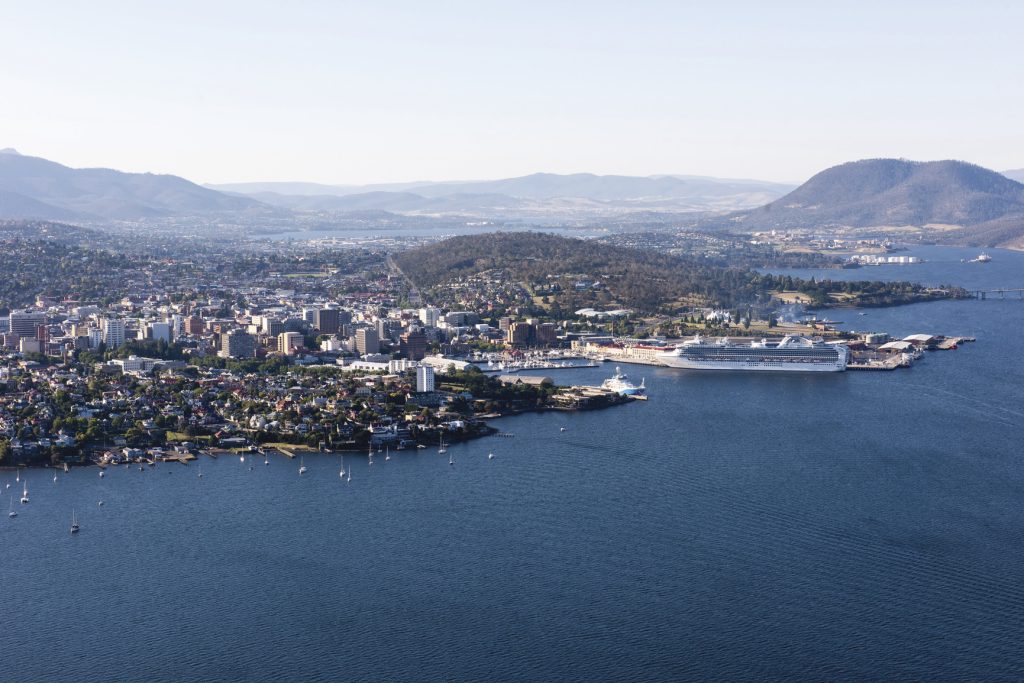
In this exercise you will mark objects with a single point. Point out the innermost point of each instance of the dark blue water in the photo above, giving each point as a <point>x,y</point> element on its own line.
<point>734,527</point>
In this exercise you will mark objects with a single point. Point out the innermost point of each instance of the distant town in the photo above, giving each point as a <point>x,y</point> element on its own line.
<point>323,346</point>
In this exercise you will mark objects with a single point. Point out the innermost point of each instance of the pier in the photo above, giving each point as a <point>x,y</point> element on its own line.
<point>982,294</point>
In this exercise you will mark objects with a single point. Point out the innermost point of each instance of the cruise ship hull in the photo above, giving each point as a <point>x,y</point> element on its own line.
<point>792,354</point>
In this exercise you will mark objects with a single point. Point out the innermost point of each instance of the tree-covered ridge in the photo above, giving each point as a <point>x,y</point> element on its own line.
<point>573,273</point>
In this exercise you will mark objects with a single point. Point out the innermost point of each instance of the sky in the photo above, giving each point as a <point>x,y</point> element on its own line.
<point>364,92</point>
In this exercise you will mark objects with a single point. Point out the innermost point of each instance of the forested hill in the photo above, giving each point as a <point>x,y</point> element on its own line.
<point>641,280</point>
<point>988,206</point>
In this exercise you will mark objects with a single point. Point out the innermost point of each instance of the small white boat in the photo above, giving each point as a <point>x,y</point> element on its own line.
<point>440,448</point>
<point>74,522</point>
<point>24,493</point>
<point>55,479</point>
<point>302,466</point>
<point>100,504</point>
<point>387,453</point>
<point>341,472</point>
<point>102,474</point>
<point>241,458</point>
<point>561,429</point>
<point>66,468</point>
<point>490,456</point>
<point>12,512</point>
<point>451,459</point>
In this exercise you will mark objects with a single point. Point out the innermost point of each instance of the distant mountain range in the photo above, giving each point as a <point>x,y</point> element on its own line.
<point>987,206</point>
<point>538,192</point>
<point>966,203</point>
<point>35,188</point>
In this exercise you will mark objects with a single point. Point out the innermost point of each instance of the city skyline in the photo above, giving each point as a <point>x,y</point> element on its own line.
<point>358,95</point>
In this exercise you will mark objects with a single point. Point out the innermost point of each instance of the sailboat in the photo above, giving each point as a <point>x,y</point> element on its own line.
<point>349,475</point>
<point>369,455</point>
<point>490,456</point>
<point>451,459</point>
<point>200,471</point>
<point>302,466</point>
<point>24,493</point>
<point>387,452</point>
<point>65,468</point>
<point>241,458</point>
<point>441,449</point>
<point>54,478</point>
<point>13,512</point>
<point>341,472</point>
<point>17,476</point>
<point>102,474</point>
<point>74,522</point>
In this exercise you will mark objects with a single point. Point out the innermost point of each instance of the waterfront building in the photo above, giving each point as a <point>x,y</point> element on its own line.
<point>519,334</point>
<point>546,333</point>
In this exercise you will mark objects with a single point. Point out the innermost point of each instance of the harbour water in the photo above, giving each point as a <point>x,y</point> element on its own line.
<point>845,526</point>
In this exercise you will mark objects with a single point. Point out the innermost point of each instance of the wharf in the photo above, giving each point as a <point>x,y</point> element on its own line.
<point>877,364</point>
<point>183,458</point>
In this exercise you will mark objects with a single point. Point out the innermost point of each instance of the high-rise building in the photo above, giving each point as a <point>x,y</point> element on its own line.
<point>194,325</point>
<point>547,333</point>
<point>424,379</point>
<point>327,320</point>
<point>272,327</point>
<point>309,315</point>
<point>289,342</point>
<point>237,344</point>
<point>413,345</point>
<point>95,338</point>
<point>159,332</point>
<point>504,323</point>
<point>113,332</point>
<point>26,323</point>
<point>367,341</point>
<point>429,316</point>
<point>519,334</point>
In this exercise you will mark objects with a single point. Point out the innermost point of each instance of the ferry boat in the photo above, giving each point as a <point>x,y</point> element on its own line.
<point>792,354</point>
<point>620,383</point>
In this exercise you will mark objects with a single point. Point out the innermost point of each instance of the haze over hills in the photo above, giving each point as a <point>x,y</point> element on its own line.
<point>31,187</point>
<point>1016,174</point>
<point>537,192</point>
<point>988,206</point>
<point>957,202</point>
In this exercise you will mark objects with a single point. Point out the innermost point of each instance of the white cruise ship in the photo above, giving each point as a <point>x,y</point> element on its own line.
<point>792,354</point>
<point>620,384</point>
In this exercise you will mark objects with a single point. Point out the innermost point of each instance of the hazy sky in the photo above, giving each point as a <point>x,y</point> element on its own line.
<point>358,92</point>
